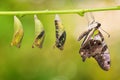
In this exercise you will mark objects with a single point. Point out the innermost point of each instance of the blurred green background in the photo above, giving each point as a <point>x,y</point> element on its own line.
<point>49,63</point>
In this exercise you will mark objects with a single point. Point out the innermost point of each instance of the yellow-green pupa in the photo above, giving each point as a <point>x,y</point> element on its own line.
<point>18,33</point>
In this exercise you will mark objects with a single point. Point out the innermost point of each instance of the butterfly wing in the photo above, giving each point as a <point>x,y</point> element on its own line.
<point>85,46</point>
<point>96,47</point>
<point>101,51</point>
<point>83,34</point>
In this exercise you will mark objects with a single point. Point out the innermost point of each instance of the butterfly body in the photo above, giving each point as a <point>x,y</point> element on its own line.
<point>94,46</point>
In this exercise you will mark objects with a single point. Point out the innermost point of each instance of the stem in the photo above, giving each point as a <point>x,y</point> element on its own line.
<point>80,11</point>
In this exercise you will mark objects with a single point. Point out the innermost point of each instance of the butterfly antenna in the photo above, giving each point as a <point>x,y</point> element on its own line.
<point>90,18</point>
<point>93,18</point>
<point>105,32</point>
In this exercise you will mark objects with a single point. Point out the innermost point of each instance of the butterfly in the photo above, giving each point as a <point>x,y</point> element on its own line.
<point>60,33</point>
<point>94,46</point>
<point>39,33</point>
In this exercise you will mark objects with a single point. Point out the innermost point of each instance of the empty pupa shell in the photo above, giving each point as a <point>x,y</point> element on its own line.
<point>18,33</point>
<point>39,33</point>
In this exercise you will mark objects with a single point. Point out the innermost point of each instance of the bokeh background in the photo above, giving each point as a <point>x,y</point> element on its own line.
<point>49,63</point>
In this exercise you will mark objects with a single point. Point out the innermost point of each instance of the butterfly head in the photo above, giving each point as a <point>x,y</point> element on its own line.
<point>98,25</point>
<point>94,25</point>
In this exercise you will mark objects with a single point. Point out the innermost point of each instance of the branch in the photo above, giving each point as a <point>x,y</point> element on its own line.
<point>76,11</point>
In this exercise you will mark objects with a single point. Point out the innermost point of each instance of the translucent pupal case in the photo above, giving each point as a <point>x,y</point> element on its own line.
<point>18,33</point>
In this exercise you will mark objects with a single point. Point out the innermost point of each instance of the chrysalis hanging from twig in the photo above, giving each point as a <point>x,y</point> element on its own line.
<point>60,33</point>
<point>94,46</point>
<point>18,33</point>
<point>39,33</point>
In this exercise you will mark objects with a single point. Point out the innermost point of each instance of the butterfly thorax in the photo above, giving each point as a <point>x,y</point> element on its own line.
<point>95,25</point>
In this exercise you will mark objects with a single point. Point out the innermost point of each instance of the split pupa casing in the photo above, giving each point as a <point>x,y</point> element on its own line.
<point>39,33</point>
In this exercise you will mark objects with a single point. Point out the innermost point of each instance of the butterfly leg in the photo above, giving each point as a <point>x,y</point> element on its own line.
<point>83,34</point>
